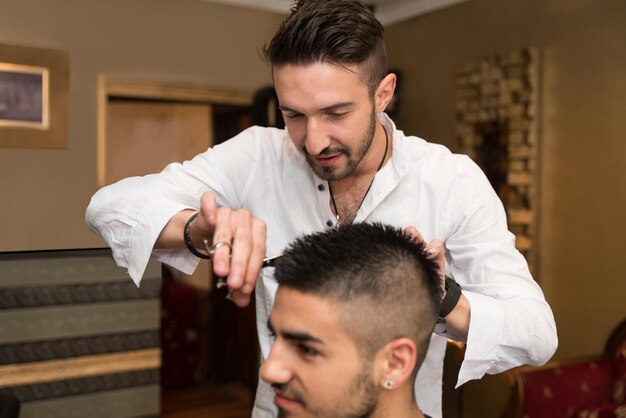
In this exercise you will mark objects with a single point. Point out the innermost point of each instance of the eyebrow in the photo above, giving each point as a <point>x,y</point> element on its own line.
<point>295,336</point>
<point>324,109</point>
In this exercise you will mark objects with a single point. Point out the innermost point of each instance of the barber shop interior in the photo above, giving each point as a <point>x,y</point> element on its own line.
<point>124,135</point>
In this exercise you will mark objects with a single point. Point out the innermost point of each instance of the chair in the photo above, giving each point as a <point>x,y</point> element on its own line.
<point>589,388</point>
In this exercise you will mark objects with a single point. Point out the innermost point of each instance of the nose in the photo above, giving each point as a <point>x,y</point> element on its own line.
<point>317,139</point>
<point>275,369</point>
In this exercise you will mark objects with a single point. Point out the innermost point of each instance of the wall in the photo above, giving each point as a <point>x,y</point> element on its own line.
<point>583,103</point>
<point>45,192</point>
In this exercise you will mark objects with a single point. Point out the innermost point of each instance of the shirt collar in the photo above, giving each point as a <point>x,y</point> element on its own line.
<point>398,159</point>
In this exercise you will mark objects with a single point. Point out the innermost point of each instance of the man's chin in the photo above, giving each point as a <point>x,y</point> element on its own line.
<point>283,413</point>
<point>330,173</point>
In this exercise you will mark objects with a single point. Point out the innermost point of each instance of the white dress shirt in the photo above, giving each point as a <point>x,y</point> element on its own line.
<point>446,196</point>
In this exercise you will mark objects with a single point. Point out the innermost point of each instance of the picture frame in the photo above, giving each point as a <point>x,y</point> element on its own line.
<point>34,90</point>
<point>24,96</point>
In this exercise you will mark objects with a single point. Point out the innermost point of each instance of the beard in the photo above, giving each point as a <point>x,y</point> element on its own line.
<point>354,156</point>
<point>360,400</point>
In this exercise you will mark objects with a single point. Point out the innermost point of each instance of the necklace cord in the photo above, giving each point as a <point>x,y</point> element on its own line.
<point>330,189</point>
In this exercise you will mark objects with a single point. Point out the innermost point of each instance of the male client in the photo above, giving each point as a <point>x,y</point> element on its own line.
<point>352,320</point>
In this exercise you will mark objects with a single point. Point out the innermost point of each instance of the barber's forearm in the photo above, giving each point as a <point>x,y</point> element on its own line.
<point>171,236</point>
<point>458,320</point>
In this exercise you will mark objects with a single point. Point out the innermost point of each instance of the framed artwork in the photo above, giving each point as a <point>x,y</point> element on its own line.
<point>24,96</point>
<point>34,88</point>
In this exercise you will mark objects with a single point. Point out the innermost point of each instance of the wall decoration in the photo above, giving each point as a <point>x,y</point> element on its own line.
<point>24,96</point>
<point>34,88</point>
<point>497,99</point>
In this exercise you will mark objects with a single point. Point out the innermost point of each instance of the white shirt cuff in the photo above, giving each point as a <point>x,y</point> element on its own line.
<point>145,234</point>
<point>484,336</point>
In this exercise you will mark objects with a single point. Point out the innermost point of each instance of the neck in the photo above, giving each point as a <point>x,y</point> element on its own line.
<point>397,404</point>
<point>378,152</point>
<point>347,209</point>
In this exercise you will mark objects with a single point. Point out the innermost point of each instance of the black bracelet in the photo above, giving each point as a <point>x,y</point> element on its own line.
<point>453,294</point>
<point>187,238</point>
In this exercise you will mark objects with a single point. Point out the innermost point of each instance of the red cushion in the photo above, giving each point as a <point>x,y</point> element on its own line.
<point>619,389</point>
<point>562,391</point>
<point>613,410</point>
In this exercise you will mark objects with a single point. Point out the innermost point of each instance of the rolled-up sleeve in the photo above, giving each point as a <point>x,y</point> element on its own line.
<point>510,321</point>
<point>130,218</point>
<point>131,213</point>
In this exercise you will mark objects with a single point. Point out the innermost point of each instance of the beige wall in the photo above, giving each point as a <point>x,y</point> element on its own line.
<point>44,192</point>
<point>583,184</point>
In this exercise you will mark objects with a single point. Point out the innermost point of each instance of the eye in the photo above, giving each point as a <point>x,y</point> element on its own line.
<point>337,115</point>
<point>307,351</point>
<point>293,116</point>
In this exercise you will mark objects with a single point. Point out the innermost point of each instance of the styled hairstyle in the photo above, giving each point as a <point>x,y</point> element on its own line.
<point>339,32</point>
<point>382,280</point>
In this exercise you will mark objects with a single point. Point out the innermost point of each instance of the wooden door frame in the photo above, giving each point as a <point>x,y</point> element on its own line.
<point>155,90</point>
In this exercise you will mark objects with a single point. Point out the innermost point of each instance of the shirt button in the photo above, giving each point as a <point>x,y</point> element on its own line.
<point>320,187</point>
<point>329,223</point>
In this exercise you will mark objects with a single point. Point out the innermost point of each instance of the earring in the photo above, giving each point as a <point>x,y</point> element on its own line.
<point>388,384</point>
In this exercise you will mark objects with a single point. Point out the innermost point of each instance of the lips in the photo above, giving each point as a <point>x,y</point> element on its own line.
<point>285,402</point>
<point>326,161</point>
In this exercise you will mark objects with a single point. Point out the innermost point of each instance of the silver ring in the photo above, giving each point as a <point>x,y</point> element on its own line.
<point>218,245</point>
<point>215,247</point>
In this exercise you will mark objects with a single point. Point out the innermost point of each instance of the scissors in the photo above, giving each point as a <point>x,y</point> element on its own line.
<point>221,281</point>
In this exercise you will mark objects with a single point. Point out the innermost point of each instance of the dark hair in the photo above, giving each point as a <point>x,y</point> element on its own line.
<point>383,280</point>
<point>335,31</point>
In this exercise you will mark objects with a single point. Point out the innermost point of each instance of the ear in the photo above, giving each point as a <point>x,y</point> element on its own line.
<point>395,363</point>
<point>384,92</point>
